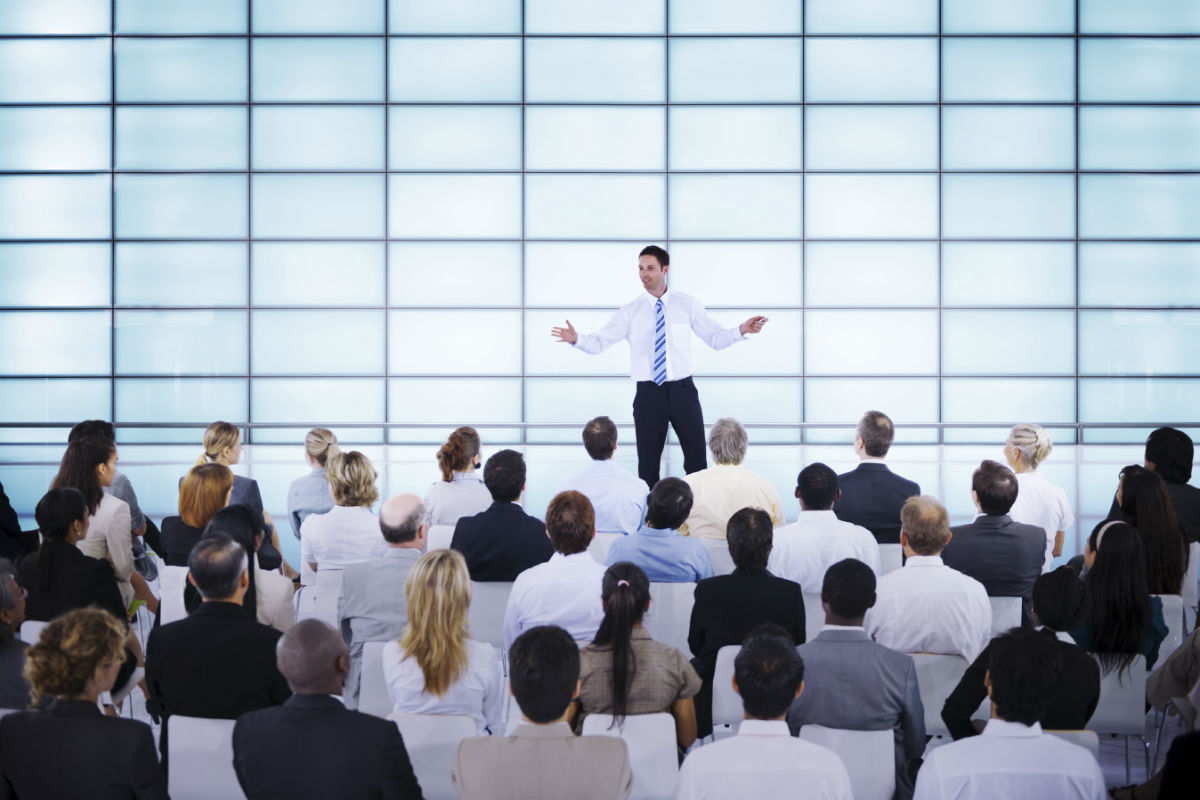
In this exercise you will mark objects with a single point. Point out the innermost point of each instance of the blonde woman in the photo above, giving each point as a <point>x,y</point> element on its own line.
<point>348,533</point>
<point>223,445</point>
<point>460,492</point>
<point>434,668</point>
<point>1039,502</point>
<point>310,494</point>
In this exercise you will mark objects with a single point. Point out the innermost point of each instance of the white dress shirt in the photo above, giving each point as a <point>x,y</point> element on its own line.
<point>274,599</point>
<point>618,496</point>
<point>564,591</point>
<point>762,760</point>
<point>817,540</point>
<point>927,607</point>
<point>721,491</point>
<point>109,536</point>
<point>635,322</point>
<point>1041,503</point>
<point>464,495</point>
<point>1010,760</point>
<point>342,536</point>
<point>478,693</point>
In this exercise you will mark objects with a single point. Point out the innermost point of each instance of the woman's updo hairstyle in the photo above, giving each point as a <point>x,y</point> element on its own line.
<point>1031,442</point>
<point>320,444</point>
<point>217,437</point>
<point>70,650</point>
<point>458,451</point>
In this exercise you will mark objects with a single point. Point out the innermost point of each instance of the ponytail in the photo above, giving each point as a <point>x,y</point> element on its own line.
<point>217,437</point>
<point>458,451</point>
<point>626,591</point>
<point>320,444</point>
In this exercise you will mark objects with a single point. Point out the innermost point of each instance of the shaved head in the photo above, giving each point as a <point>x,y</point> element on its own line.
<point>401,518</point>
<point>313,658</point>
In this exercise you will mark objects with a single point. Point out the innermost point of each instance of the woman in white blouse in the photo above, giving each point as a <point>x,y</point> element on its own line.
<point>348,533</point>
<point>434,668</point>
<point>460,492</point>
<point>1039,502</point>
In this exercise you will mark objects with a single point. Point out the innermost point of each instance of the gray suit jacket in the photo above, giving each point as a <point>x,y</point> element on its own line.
<point>542,762</point>
<point>372,607</point>
<point>854,683</point>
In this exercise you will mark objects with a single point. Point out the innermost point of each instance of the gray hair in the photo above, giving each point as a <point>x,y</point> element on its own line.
<point>728,441</point>
<point>1031,442</point>
<point>7,598</point>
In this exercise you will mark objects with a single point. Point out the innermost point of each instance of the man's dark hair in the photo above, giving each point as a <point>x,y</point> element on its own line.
<point>664,258</point>
<point>600,438</point>
<point>849,588</point>
<point>1170,450</point>
<point>996,487</point>
<point>877,431</point>
<point>543,669</point>
<point>92,427</point>
<point>570,522</point>
<point>818,486</point>
<point>768,671</point>
<point>216,564</point>
<point>504,475</point>
<point>669,504</point>
<point>749,534</point>
<point>406,529</point>
<point>1024,669</point>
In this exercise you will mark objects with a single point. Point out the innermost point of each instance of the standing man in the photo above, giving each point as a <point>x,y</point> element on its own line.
<point>657,327</point>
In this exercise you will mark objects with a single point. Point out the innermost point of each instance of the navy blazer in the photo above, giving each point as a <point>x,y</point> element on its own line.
<point>871,497</point>
<point>1005,556</point>
<point>501,542</point>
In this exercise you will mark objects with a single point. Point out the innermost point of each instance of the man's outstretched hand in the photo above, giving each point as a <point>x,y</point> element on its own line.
<point>752,325</point>
<point>569,335</point>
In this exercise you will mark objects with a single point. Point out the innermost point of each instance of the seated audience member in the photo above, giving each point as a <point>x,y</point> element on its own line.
<point>461,492</point>
<point>1178,681</point>
<point>309,494</point>
<point>1013,757</point>
<point>1178,778</point>
<point>328,750</point>
<point>372,606</point>
<point>1169,453</point>
<point>926,606</point>
<point>69,748</point>
<point>729,606</point>
<point>1146,506</point>
<point>543,759</point>
<point>223,445</point>
<point>503,541</point>
<point>1060,601</point>
<point>435,668</point>
<point>348,533</point>
<point>658,548</point>
<point>854,683</point>
<point>564,591</point>
<point>871,494</point>
<point>204,491</point>
<point>727,486</point>
<point>1005,556</point>
<point>763,759</point>
<point>14,689</point>
<point>216,663</point>
<point>14,542</point>
<point>623,671</point>
<point>269,596</point>
<point>805,549</point>
<point>1123,620</point>
<point>1039,502</point>
<point>618,495</point>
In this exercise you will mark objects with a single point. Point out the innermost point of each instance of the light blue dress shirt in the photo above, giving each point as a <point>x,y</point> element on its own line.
<point>665,555</point>
<point>308,495</point>
<point>618,496</point>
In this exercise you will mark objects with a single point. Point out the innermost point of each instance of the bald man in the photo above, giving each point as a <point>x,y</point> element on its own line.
<point>313,746</point>
<point>372,607</point>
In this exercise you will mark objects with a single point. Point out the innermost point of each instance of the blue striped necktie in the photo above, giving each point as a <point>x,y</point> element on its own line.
<point>660,344</point>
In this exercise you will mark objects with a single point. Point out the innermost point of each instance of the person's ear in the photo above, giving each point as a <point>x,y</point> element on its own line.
<point>874,597</point>
<point>987,682</point>
<point>799,689</point>
<point>733,680</point>
<point>647,608</point>
<point>575,694</point>
<point>837,496</point>
<point>797,494</point>
<point>192,580</point>
<point>343,664</point>
<point>510,689</point>
<point>244,580</point>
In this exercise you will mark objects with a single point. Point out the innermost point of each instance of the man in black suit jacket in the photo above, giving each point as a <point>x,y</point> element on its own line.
<point>343,753</point>
<point>502,542</point>
<point>871,493</point>
<point>1005,556</point>
<point>729,606</point>
<point>217,663</point>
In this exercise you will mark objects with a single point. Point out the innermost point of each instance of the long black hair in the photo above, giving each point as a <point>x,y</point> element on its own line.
<point>626,591</point>
<point>1119,615</point>
<point>1146,506</point>
<point>56,513</point>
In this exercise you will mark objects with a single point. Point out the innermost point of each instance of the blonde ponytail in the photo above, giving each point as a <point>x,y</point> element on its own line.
<point>217,437</point>
<point>320,444</point>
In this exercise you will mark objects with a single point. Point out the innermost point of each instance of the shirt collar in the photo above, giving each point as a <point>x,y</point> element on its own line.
<point>463,477</point>
<point>555,730</point>
<point>870,460</point>
<point>402,552</point>
<point>828,627</point>
<point>574,558</point>
<point>1012,730</point>
<point>763,727</point>
<point>924,561</point>
<point>652,300</point>
<point>646,530</point>
<point>816,515</point>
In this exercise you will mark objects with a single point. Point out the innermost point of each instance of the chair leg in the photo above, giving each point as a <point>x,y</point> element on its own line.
<point>1146,754</point>
<point>1127,770</point>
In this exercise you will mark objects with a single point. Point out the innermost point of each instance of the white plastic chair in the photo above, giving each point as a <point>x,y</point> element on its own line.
<point>1173,615</point>
<point>653,756</point>
<point>1006,613</point>
<point>30,631</point>
<point>1190,587</point>
<point>814,616</point>
<point>373,697</point>
<point>200,754</point>
<point>324,604</point>
<point>726,703</point>
<point>601,544</point>
<point>718,554</point>
<point>1088,740</point>
<point>171,583</point>
<point>891,558</point>
<point>937,675</point>
<point>670,614</point>
<point>431,741</point>
<point>1122,707</point>
<point>869,757</point>
<point>485,617</point>
<point>439,537</point>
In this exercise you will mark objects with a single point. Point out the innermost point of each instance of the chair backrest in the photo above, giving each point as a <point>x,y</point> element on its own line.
<point>1122,706</point>
<point>30,630</point>
<point>1006,613</point>
<point>329,591</point>
<point>869,757</point>
<point>373,697</point>
<point>439,537</point>
<point>937,675</point>
<point>1172,609</point>
<point>718,554</point>
<point>1088,740</point>
<point>726,703</point>
<point>308,575</point>
<point>653,756</point>
<point>891,558</point>
<point>601,544</point>
<point>814,616</point>
<point>485,617</point>
<point>431,741</point>
<point>670,614</point>
<point>171,583</point>
<point>200,752</point>
<point>1190,588</point>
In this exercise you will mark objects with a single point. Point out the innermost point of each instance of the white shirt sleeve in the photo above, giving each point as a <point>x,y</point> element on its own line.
<point>712,332</point>
<point>307,532</point>
<point>615,330</point>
